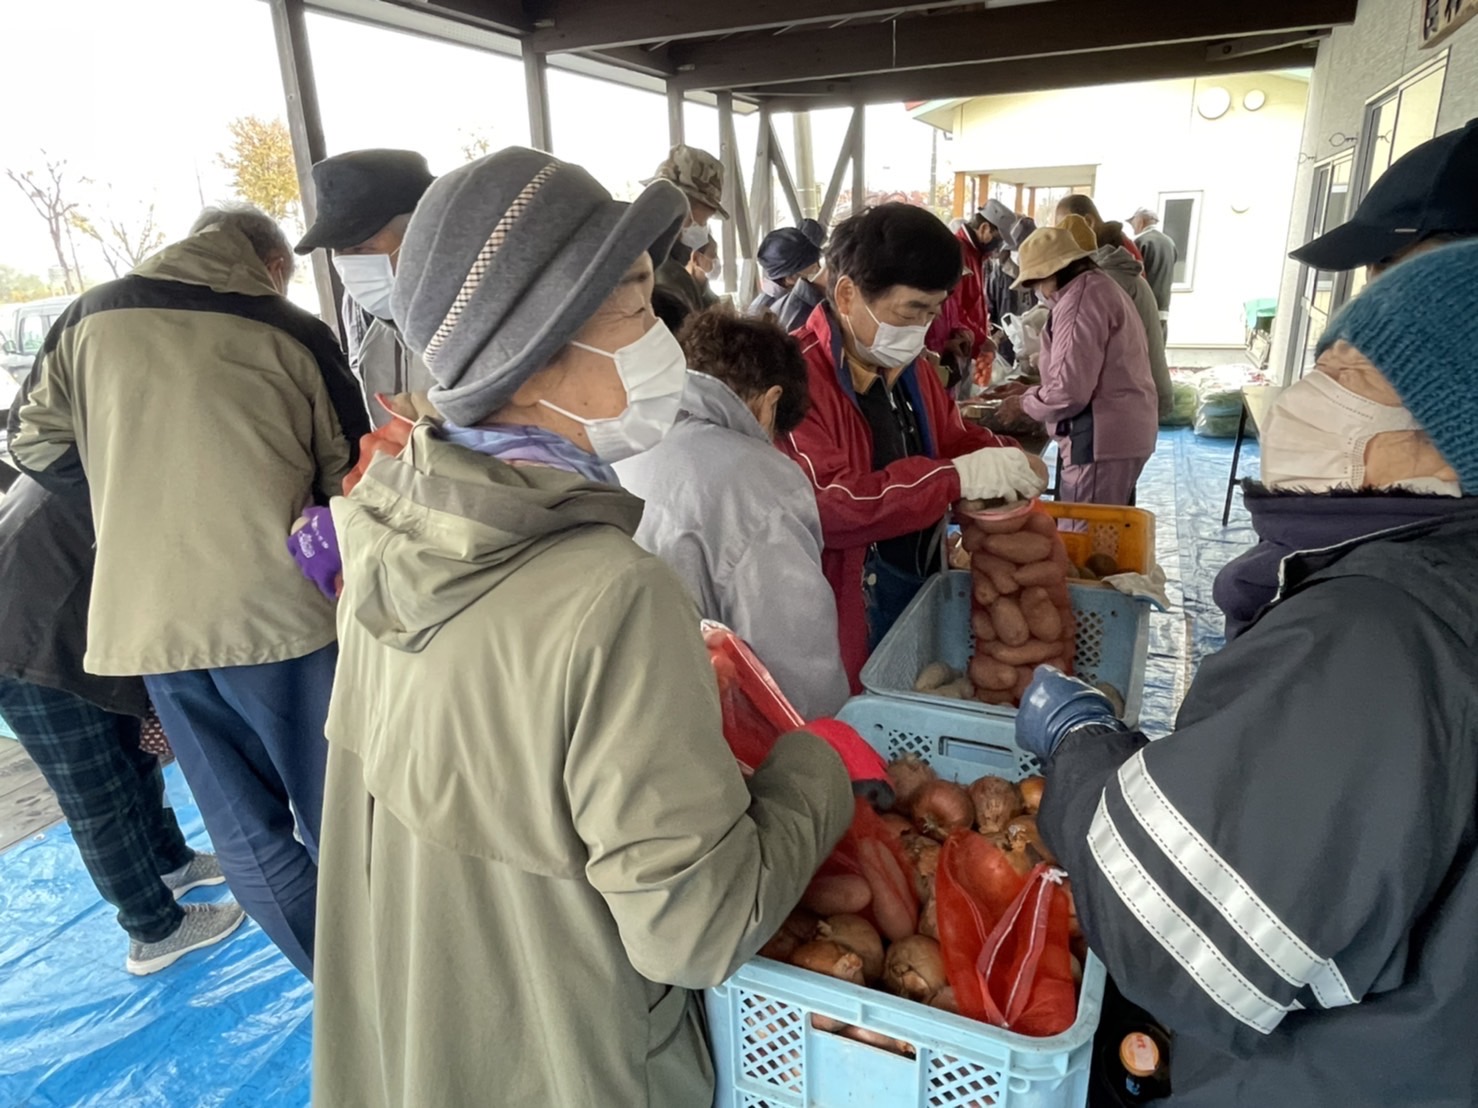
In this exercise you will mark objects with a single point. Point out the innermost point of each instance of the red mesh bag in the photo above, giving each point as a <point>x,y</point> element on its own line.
<point>756,712</point>
<point>1004,938</point>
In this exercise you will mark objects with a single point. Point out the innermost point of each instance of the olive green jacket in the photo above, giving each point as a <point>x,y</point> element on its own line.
<point>202,411</point>
<point>535,839</point>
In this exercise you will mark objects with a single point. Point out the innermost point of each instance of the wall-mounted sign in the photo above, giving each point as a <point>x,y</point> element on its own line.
<point>1440,18</point>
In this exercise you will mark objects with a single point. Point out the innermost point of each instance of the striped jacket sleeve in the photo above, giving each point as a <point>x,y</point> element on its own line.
<point>1269,856</point>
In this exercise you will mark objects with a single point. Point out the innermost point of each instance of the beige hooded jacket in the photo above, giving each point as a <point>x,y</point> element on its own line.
<point>536,841</point>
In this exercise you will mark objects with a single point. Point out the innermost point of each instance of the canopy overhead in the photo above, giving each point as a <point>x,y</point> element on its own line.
<point>798,54</point>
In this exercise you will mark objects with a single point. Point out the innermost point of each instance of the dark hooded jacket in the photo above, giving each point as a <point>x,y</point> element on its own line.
<point>1287,522</point>
<point>1289,880</point>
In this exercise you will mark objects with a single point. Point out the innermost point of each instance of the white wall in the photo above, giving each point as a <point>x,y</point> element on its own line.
<point>1147,139</point>
<point>1355,64</point>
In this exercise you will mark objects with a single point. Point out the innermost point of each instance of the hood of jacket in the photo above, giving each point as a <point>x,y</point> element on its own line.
<point>710,400</point>
<point>1289,522</point>
<point>220,258</point>
<point>1119,264</point>
<point>426,534</point>
<point>1434,561</point>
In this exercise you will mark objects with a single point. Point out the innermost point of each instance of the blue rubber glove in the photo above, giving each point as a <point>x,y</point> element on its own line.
<point>1056,704</point>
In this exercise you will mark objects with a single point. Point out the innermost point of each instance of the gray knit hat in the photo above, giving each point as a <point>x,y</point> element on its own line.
<point>505,259</point>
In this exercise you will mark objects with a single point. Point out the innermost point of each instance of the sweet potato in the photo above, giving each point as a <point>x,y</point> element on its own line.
<point>1040,573</point>
<point>894,907</point>
<point>997,697</point>
<point>1002,573</point>
<point>973,539</point>
<point>1041,523</point>
<point>1010,623</point>
<point>1042,616</point>
<point>988,673</point>
<point>995,525</point>
<point>1023,679</point>
<point>1020,549</point>
<point>983,590</point>
<point>1033,653</point>
<point>982,628</point>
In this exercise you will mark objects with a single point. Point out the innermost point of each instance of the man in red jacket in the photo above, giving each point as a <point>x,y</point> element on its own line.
<point>883,445</point>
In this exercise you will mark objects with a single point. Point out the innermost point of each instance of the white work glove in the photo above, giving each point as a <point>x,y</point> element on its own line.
<point>998,471</point>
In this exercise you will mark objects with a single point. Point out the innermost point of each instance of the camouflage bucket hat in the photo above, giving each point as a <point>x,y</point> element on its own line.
<point>697,173</point>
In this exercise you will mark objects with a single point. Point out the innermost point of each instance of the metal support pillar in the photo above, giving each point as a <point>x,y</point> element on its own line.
<point>834,188</point>
<point>807,187</point>
<point>733,239</point>
<point>859,159</point>
<point>787,183</point>
<point>675,126</point>
<point>536,92</point>
<point>305,125</point>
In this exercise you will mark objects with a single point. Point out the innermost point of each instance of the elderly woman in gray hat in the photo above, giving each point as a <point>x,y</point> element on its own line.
<point>536,841</point>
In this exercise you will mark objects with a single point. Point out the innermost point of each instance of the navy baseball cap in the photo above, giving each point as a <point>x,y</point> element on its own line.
<point>361,191</point>
<point>1430,190</point>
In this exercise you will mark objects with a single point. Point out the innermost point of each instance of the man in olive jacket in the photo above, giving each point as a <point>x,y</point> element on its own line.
<point>203,411</point>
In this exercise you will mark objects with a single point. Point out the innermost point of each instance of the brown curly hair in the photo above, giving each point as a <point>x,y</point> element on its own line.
<point>750,356</point>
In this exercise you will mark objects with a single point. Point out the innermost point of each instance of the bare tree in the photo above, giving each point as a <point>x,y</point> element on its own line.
<point>45,189</point>
<point>124,243</point>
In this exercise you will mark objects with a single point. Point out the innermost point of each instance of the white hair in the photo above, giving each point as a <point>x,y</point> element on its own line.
<point>260,229</point>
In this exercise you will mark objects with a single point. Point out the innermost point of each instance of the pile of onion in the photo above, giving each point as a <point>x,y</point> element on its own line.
<point>854,931</point>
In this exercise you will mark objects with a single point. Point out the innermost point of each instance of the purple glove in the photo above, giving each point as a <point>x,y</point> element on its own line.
<point>315,548</point>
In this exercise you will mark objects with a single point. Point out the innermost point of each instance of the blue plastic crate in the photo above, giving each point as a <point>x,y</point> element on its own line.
<point>1113,644</point>
<point>769,1054</point>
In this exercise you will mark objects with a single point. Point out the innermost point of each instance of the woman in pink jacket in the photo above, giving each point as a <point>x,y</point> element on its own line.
<point>1097,395</point>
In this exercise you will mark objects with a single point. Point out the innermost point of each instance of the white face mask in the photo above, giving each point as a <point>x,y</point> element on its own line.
<point>369,279</point>
<point>894,345</point>
<point>694,236</point>
<point>653,370</point>
<point>1317,435</point>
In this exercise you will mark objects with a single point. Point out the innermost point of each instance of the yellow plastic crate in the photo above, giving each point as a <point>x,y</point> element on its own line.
<point>1127,535</point>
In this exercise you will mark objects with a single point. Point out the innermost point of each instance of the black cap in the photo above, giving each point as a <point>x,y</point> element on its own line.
<point>361,191</point>
<point>787,251</point>
<point>1430,190</point>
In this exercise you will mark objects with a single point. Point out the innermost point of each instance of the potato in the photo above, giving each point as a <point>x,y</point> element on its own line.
<point>1033,653</point>
<point>933,675</point>
<point>1002,573</point>
<point>963,689</point>
<point>1010,623</point>
<point>982,628</point>
<point>1020,549</point>
<point>1042,616</point>
<point>1101,565</point>
<point>1040,573</point>
<point>993,675</point>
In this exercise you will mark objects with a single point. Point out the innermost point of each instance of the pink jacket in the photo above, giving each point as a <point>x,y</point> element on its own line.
<point>1097,394</point>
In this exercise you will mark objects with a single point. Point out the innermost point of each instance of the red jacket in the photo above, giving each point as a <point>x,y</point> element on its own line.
<point>859,505</point>
<point>966,309</point>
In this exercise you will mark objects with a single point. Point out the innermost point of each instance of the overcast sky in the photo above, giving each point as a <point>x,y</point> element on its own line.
<point>137,96</point>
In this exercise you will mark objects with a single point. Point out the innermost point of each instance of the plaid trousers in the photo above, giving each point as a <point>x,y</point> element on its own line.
<point>112,793</point>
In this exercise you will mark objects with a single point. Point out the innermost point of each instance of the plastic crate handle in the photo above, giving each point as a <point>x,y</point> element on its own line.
<point>1005,760</point>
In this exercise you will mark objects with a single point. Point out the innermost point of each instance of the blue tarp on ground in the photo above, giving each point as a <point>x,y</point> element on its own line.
<point>230,1025</point>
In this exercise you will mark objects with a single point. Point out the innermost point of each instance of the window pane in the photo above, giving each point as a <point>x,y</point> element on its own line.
<point>1416,121</point>
<point>1177,223</point>
<point>1383,134</point>
<point>616,132</point>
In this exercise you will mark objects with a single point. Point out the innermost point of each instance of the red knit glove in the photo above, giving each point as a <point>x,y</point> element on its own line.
<point>864,765</point>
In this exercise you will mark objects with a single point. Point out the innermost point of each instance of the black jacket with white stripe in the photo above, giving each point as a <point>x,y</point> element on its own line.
<point>1289,881</point>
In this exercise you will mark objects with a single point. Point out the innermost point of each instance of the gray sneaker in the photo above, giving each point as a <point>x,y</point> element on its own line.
<point>203,869</point>
<point>203,925</point>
